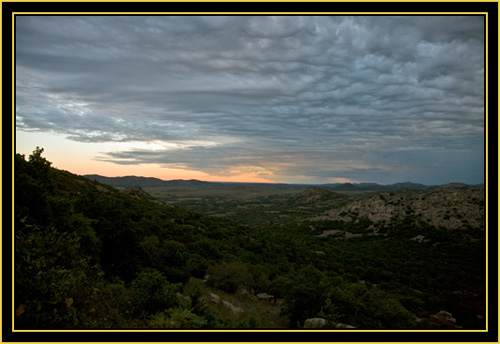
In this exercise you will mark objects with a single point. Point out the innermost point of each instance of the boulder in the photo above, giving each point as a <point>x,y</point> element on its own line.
<point>233,308</point>
<point>444,314</point>
<point>184,298</point>
<point>340,325</point>
<point>444,318</point>
<point>435,318</point>
<point>265,297</point>
<point>214,298</point>
<point>314,323</point>
<point>452,322</point>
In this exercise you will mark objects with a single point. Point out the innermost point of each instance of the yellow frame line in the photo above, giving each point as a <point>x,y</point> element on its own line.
<point>259,13</point>
<point>256,13</point>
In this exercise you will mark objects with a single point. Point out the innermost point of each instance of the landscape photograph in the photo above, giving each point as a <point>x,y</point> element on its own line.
<point>304,173</point>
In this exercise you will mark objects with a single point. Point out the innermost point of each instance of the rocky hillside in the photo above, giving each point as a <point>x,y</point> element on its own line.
<point>314,195</point>
<point>137,192</point>
<point>450,209</point>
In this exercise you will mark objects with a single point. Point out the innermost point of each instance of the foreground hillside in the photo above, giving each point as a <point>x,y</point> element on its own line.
<point>91,256</point>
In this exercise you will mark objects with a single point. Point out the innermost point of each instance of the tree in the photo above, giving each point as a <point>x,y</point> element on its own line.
<point>304,294</point>
<point>32,187</point>
<point>151,292</point>
<point>37,160</point>
<point>229,276</point>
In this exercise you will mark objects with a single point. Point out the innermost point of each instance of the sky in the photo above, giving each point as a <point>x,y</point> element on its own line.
<point>286,99</point>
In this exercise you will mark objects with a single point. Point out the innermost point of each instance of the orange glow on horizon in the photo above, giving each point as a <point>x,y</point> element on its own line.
<point>79,158</point>
<point>107,169</point>
<point>242,178</point>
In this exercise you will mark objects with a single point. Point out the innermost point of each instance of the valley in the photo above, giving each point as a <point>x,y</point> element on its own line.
<point>144,253</point>
<point>392,229</point>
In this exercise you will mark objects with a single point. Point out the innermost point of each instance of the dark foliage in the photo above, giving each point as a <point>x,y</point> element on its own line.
<point>90,256</point>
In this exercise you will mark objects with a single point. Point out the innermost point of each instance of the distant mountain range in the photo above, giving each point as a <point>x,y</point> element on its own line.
<point>374,186</point>
<point>123,182</point>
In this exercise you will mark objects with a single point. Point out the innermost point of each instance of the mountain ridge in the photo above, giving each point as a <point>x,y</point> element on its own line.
<point>125,181</point>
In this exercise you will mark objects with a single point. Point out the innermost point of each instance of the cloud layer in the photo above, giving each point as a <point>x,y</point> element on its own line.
<point>296,99</point>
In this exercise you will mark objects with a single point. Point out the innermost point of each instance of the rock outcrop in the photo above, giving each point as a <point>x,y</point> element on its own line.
<point>137,192</point>
<point>450,209</point>
<point>339,325</point>
<point>266,297</point>
<point>183,298</point>
<point>315,323</point>
<point>232,308</point>
<point>214,298</point>
<point>444,318</point>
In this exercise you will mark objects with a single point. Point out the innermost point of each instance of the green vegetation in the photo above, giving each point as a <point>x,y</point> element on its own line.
<point>90,256</point>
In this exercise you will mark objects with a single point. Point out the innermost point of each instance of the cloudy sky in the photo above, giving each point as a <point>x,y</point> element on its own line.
<point>297,99</point>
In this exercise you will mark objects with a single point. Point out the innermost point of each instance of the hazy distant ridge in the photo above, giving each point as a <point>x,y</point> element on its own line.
<point>123,182</point>
<point>374,186</point>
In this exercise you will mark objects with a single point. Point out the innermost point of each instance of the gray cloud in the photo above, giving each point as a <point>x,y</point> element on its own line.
<point>322,97</point>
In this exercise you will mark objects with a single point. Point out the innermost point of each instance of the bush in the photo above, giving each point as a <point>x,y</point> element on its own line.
<point>228,276</point>
<point>357,305</point>
<point>304,294</point>
<point>151,292</point>
<point>53,279</point>
<point>197,265</point>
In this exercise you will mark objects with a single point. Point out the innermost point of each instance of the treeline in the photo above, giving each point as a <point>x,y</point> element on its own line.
<point>90,256</point>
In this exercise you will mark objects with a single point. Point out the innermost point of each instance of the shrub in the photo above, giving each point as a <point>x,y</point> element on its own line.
<point>151,292</point>
<point>228,276</point>
<point>304,294</point>
<point>197,265</point>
